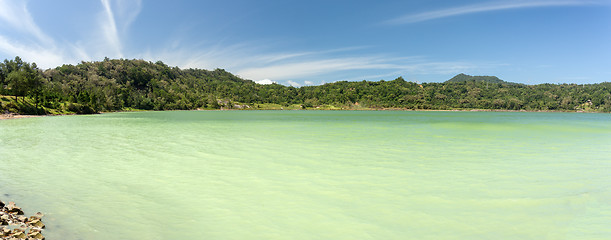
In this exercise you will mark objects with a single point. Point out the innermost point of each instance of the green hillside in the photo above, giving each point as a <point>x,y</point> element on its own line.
<point>120,84</point>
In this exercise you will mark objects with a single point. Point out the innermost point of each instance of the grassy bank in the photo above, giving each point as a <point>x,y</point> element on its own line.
<point>11,105</point>
<point>23,106</point>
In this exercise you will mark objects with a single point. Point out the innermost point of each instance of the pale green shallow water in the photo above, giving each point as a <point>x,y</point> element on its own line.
<point>312,175</point>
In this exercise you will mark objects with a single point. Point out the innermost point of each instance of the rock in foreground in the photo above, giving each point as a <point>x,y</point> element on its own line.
<point>14,225</point>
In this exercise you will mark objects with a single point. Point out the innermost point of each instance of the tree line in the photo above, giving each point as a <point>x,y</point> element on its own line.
<point>119,84</point>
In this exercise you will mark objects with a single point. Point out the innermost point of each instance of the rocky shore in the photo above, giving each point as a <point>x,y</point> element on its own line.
<point>14,225</point>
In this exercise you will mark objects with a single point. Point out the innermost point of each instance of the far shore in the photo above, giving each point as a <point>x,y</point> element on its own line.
<point>18,116</point>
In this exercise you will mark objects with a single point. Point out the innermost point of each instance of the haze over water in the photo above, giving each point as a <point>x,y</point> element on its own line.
<point>312,175</point>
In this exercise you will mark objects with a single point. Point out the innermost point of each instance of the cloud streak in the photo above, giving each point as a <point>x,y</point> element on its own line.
<point>34,43</point>
<point>44,57</point>
<point>109,28</point>
<point>309,68</point>
<point>123,11</point>
<point>21,36</point>
<point>485,7</point>
<point>17,16</point>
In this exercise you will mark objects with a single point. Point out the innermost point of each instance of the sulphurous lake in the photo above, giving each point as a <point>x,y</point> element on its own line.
<point>312,174</point>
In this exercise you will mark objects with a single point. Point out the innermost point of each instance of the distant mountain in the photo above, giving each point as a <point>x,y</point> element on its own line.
<point>464,78</point>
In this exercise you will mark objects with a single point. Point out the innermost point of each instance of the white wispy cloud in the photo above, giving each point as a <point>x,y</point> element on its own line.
<point>117,11</point>
<point>310,69</point>
<point>17,16</point>
<point>42,55</point>
<point>487,7</point>
<point>34,45</point>
<point>109,28</point>
<point>307,68</point>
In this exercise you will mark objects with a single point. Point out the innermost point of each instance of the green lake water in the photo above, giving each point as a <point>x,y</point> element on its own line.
<point>312,174</point>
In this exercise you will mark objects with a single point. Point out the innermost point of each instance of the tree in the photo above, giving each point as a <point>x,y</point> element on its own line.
<point>3,75</point>
<point>212,102</point>
<point>34,82</point>
<point>17,83</point>
<point>6,68</point>
<point>24,80</point>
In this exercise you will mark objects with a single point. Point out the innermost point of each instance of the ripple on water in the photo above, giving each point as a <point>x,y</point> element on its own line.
<point>312,175</point>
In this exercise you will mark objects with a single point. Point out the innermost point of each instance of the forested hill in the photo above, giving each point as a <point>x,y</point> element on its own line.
<point>465,78</point>
<point>113,85</point>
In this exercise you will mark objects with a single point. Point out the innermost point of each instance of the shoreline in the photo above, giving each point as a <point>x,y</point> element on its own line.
<point>20,116</point>
<point>17,116</point>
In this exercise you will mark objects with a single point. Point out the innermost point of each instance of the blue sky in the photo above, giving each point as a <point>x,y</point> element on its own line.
<point>313,42</point>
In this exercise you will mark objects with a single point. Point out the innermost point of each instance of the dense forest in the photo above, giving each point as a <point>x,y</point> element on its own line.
<point>120,84</point>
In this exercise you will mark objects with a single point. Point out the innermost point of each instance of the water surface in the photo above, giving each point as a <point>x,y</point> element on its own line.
<point>312,175</point>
